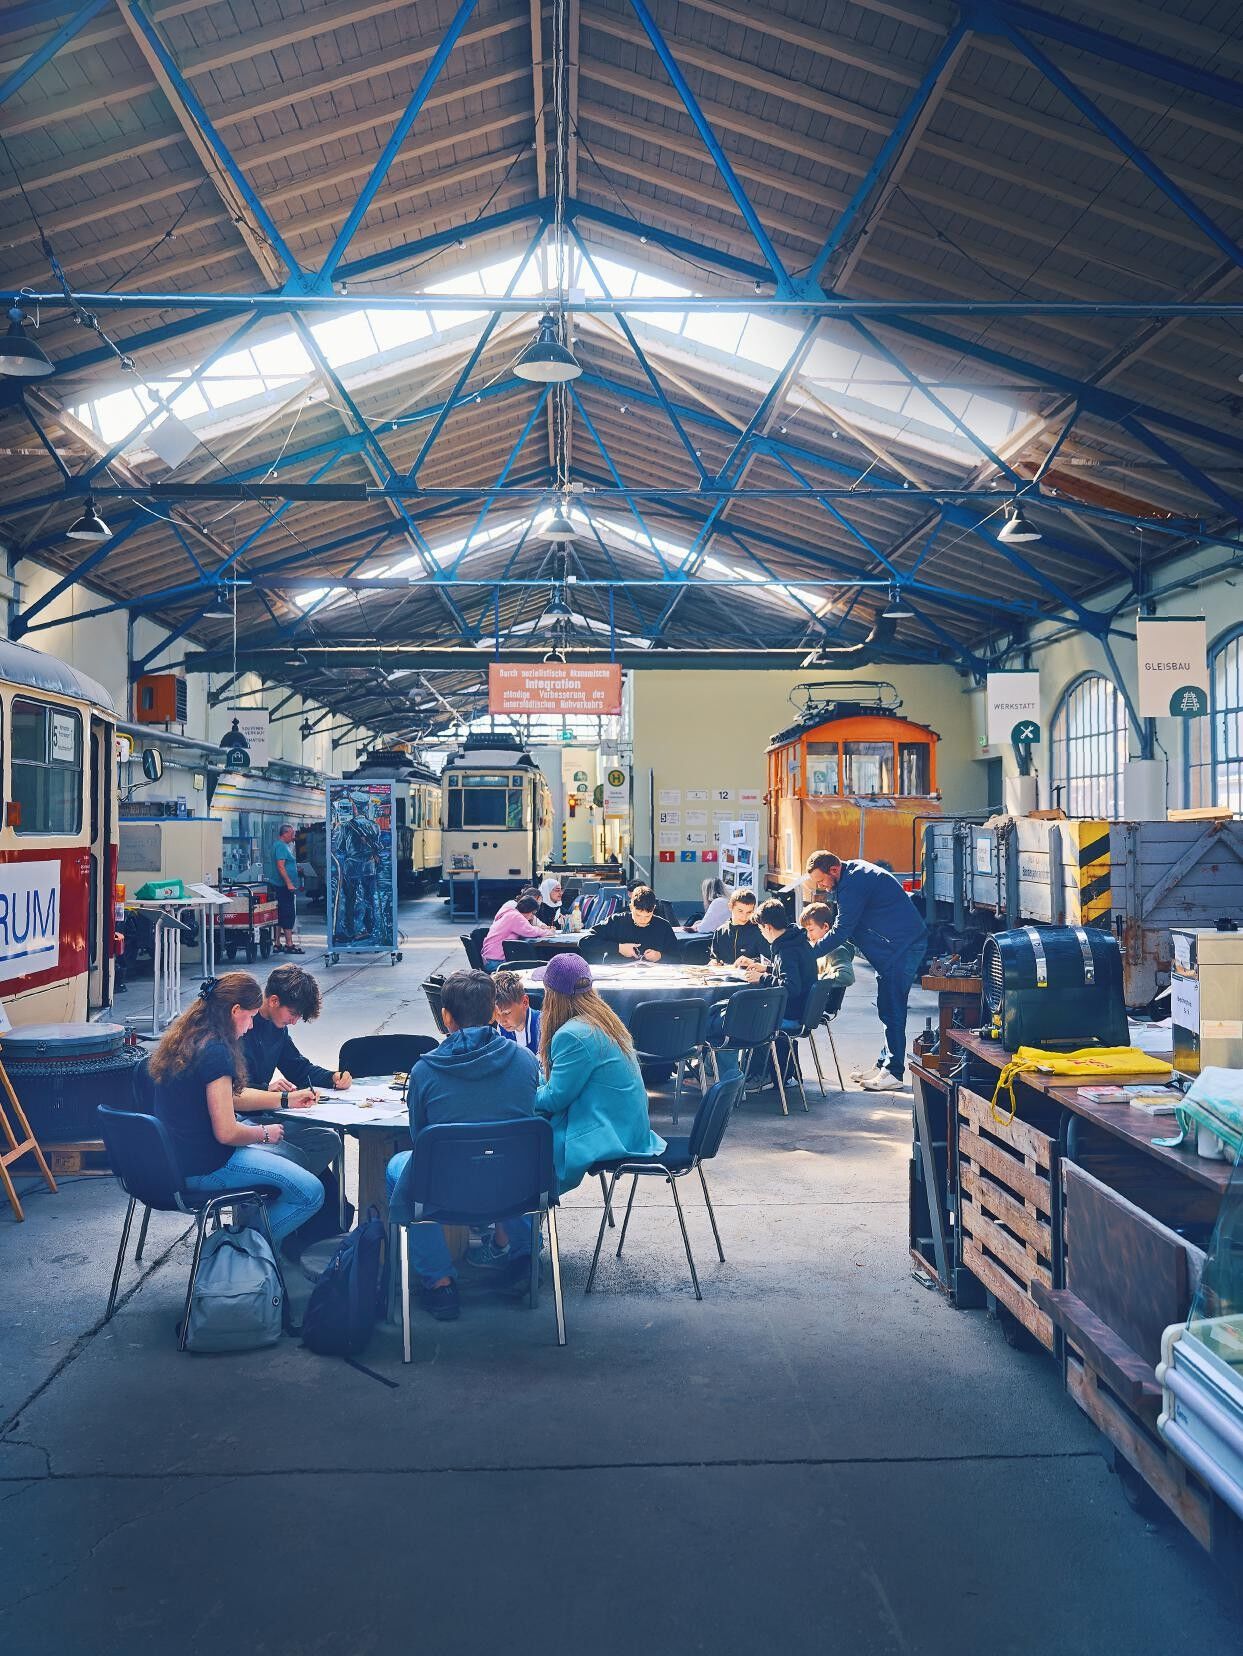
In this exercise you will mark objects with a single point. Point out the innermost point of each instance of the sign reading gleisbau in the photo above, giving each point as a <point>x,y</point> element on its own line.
<point>1173,666</point>
<point>1013,708</point>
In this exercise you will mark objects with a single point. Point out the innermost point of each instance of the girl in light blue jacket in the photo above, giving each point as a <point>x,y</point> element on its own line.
<point>594,1093</point>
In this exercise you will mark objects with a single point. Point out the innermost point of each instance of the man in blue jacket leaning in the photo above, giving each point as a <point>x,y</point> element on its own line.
<point>473,1075</point>
<point>877,916</point>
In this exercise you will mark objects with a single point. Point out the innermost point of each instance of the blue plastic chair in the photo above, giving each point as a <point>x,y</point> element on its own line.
<point>681,1156</point>
<point>142,1158</point>
<point>466,1173</point>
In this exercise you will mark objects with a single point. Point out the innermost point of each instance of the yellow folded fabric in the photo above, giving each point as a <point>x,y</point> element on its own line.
<point>1086,1061</point>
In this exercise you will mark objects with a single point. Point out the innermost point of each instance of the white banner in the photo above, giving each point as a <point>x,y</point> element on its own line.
<point>244,737</point>
<point>1173,668</point>
<point>1013,708</point>
<point>29,917</point>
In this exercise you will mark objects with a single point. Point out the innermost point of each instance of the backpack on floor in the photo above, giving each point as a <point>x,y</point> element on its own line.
<point>238,1298</point>
<point>350,1294</point>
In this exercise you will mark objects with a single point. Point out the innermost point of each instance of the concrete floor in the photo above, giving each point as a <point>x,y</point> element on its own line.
<point>821,1456</point>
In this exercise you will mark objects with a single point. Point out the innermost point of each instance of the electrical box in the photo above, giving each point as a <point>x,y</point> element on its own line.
<point>1206,999</point>
<point>160,698</point>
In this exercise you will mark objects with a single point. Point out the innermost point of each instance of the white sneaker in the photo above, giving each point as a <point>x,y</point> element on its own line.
<point>884,1080</point>
<point>859,1075</point>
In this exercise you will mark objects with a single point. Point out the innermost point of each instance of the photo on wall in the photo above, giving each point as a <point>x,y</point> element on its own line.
<point>362,868</point>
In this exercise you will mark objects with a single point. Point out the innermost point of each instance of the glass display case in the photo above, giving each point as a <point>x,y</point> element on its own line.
<point>1201,1371</point>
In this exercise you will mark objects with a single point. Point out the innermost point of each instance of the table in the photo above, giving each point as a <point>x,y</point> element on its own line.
<point>625,985</point>
<point>166,956</point>
<point>380,1130</point>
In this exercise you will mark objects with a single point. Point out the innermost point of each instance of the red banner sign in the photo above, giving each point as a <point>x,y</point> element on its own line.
<point>554,687</point>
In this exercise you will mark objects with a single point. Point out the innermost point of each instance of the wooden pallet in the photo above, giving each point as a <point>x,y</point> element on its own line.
<point>73,1160</point>
<point>1005,1191</point>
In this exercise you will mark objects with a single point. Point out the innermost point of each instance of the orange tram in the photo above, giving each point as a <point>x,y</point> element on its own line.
<point>851,776</point>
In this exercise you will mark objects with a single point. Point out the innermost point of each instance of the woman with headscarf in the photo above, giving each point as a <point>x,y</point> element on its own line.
<point>549,910</point>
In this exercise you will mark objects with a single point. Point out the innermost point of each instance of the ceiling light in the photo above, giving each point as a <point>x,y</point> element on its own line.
<point>897,609</point>
<point>557,612</point>
<point>1017,528</point>
<point>559,526</point>
<point>22,357</point>
<point>545,361</point>
<point>90,526</point>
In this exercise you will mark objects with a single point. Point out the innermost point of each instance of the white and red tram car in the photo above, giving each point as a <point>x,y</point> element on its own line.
<point>58,839</point>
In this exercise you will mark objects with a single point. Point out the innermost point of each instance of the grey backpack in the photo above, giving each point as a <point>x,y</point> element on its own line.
<point>238,1297</point>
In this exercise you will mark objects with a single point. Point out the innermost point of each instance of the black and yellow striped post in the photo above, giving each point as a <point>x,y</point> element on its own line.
<point>1092,871</point>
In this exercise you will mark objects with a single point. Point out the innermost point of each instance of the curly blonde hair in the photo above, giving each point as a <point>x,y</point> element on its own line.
<point>558,1009</point>
<point>209,1017</point>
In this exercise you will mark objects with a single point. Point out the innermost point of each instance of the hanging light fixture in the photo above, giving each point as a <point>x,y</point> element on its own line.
<point>90,526</point>
<point>1017,527</point>
<point>897,609</point>
<point>560,526</point>
<point>22,357</point>
<point>546,361</point>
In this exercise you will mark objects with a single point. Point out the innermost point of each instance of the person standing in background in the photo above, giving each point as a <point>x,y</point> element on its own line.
<point>283,875</point>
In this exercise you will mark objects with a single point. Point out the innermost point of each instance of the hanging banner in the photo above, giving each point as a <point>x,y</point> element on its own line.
<point>554,687</point>
<point>362,869</point>
<point>1013,708</point>
<point>1173,667</point>
<point>244,737</point>
<point>616,791</point>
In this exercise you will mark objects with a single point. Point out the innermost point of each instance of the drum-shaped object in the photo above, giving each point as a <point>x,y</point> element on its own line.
<point>63,1072</point>
<point>1055,986</point>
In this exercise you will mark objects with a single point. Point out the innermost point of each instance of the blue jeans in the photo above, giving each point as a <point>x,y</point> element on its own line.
<point>429,1252</point>
<point>251,1167</point>
<point>893,990</point>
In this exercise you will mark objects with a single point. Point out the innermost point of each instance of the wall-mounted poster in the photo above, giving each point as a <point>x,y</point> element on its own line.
<point>670,796</point>
<point>244,737</point>
<point>697,819</point>
<point>696,795</point>
<point>708,856</point>
<point>361,884</point>
<point>749,796</point>
<point>668,837</point>
<point>670,819</point>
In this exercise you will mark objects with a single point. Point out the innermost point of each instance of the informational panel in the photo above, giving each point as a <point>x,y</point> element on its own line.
<point>1173,667</point>
<point>244,737</point>
<point>362,868</point>
<point>1013,708</point>
<point>617,791</point>
<point>554,687</point>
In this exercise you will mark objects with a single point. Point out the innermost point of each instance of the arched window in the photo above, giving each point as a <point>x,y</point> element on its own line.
<point>1089,748</point>
<point>1215,744</point>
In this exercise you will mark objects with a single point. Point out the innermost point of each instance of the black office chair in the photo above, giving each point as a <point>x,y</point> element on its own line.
<point>752,1022</point>
<point>820,997</point>
<point>431,988</point>
<point>680,1157</point>
<point>472,942</point>
<point>469,1173</point>
<point>670,1032</point>
<point>141,1154</point>
<point>693,951</point>
<point>384,1054</point>
<point>519,950</point>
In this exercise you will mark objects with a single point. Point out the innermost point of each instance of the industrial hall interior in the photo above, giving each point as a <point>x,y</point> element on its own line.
<point>621,827</point>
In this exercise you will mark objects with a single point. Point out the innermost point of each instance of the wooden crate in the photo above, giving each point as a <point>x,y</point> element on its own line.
<point>1005,1214</point>
<point>73,1160</point>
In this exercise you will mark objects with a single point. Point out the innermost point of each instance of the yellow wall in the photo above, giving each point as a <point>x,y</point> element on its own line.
<point>710,730</point>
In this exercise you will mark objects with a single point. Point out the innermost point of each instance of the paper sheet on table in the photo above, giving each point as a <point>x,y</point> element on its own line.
<point>342,1109</point>
<point>1156,1039</point>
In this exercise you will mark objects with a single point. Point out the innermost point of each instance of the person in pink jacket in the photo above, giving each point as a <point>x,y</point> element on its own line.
<point>518,921</point>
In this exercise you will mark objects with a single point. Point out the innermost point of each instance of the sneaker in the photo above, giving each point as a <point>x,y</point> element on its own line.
<point>861,1075</point>
<point>486,1256</point>
<point>884,1080</point>
<point>441,1303</point>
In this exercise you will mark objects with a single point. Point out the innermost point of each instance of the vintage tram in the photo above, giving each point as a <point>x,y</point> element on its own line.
<point>851,775</point>
<point>58,840</point>
<point>496,816</point>
<point>416,793</point>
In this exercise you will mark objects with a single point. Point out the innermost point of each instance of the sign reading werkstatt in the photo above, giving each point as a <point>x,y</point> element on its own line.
<point>554,687</point>
<point>1013,708</point>
<point>1173,667</point>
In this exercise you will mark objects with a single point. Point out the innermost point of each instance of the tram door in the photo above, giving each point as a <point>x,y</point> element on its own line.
<point>99,951</point>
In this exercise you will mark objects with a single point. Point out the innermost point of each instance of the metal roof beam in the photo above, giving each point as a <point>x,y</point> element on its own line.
<point>46,52</point>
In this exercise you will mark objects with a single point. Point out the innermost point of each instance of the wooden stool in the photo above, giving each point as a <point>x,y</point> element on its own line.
<point>18,1147</point>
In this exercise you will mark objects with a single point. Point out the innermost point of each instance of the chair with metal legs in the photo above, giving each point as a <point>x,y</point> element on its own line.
<point>142,1158</point>
<point>470,1173</point>
<point>670,1032</point>
<point>751,1023</point>
<point>823,1000</point>
<point>680,1157</point>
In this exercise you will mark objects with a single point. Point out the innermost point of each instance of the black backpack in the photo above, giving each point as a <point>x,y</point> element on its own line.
<point>350,1294</point>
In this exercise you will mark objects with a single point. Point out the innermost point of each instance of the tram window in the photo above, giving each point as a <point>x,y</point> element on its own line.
<point>476,807</point>
<point>401,813</point>
<point>47,768</point>
<point>913,771</point>
<point>867,767</point>
<point>821,768</point>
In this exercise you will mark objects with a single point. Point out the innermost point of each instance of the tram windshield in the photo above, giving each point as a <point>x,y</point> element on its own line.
<point>867,767</point>
<point>485,801</point>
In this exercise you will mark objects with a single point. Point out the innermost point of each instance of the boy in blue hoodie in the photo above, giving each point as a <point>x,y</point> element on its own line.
<point>473,1075</point>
